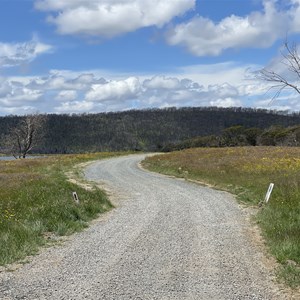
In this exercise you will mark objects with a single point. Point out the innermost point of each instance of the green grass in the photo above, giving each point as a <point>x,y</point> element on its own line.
<point>36,201</point>
<point>247,172</point>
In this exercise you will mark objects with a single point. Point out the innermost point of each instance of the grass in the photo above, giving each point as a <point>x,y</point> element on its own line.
<point>247,172</point>
<point>36,202</point>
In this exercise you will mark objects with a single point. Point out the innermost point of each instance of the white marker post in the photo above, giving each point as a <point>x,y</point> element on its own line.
<point>270,189</point>
<point>75,197</point>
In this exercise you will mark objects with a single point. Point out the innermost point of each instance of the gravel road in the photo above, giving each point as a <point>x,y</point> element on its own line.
<point>167,239</point>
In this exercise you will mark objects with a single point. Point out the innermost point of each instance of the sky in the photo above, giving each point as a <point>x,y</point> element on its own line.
<point>90,56</point>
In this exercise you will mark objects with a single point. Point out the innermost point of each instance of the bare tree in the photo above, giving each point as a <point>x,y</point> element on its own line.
<point>25,136</point>
<point>289,80</point>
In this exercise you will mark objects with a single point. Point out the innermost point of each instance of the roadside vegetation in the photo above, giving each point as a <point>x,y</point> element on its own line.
<point>239,135</point>
<point>247,172</point>
<point>37,206</point>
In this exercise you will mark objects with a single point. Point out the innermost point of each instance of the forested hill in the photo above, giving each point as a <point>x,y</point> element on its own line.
<point>148,130</point>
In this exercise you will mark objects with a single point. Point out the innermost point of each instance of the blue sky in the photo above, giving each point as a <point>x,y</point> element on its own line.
<point>81,56</point>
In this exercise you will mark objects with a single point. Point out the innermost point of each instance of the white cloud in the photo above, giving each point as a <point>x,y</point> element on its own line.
<point>224,90</point>
<point>75,92</point>
<point>116,90</point>
<point>295,15</point>
<point>18,110</point>
<point>75,107</point>
<point>20,96</point>
<point>226,102</point>
<point>60,81</point>
<point>14,54</point>
<point>5,88</point>
<point>283,103</point>
<point>230,72</point>
<point>203,37</point>
<point>66,96</point>
<point>85,78</point>
<point>108,18</point>
<point>161,82</point>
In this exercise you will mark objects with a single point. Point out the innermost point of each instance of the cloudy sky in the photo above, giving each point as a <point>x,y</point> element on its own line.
<point>81,56</point>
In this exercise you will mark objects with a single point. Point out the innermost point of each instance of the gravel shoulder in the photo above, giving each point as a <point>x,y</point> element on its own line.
<point>167,239</point>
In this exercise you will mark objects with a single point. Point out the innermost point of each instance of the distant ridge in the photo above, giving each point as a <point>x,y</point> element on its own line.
<point>145,130</point>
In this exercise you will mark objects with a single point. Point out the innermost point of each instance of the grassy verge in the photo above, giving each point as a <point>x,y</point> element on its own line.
<point>36,202</point>
<point>247,172</point>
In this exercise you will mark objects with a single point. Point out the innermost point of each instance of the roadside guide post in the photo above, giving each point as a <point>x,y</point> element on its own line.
<point>268,194</point>
<point>75,197</point>
<point>270,189</point>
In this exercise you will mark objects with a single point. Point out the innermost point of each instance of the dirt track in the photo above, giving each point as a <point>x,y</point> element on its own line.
<point>167,239</point>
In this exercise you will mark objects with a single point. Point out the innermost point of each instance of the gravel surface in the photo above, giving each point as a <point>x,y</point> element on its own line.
<point>167,239</point>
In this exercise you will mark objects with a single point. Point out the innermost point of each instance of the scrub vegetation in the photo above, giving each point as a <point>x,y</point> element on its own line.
<point>37,206</point>
<point>247,172</point>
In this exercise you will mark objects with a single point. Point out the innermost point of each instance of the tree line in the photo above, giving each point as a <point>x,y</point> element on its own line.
<point>146,130</point>
<point>235,136</point>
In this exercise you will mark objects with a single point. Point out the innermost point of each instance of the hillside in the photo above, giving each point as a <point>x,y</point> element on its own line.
<point>148,130</point>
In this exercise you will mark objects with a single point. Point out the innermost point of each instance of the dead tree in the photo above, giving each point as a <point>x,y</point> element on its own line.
<point>289,80</point>
<point>25,135</point>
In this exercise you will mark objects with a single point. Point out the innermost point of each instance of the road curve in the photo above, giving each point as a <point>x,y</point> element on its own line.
<point>167,239</point>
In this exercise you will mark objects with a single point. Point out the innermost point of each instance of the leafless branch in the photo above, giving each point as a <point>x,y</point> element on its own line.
<point>291,60</point>
<point>25,135</point>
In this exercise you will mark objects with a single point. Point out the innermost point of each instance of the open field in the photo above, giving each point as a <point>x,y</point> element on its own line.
<point>247,172</point>
<point>36,203</point>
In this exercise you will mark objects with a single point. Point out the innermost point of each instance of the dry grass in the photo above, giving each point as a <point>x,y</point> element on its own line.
<point>247,172</point>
